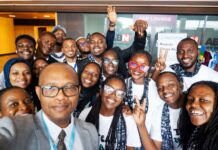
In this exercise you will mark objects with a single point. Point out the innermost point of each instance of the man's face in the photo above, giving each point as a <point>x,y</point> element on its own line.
<point>58,108</point>
<point>187,54</point>
<point>69,48</point>
<point>25,48</point>
<point>97,44</point>
<point>46,44</point>
<point>83,46</point>
<point>60,36</point>
<point>169,89</point>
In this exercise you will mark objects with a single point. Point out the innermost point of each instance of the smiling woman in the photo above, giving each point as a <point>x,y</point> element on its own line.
<point>116,131</point>
<point>198,120</point>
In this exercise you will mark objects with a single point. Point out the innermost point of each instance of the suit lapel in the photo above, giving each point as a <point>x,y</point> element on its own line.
<point>42,138</point>
<point>83,134</point>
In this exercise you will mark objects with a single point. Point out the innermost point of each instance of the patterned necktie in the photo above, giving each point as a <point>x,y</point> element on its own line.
<point>61,136</point>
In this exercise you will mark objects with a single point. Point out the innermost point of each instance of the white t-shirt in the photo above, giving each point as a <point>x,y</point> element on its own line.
<point>153,99</point>
<point>156,126</point>
<point>133,139</point>
<point>204,74</point>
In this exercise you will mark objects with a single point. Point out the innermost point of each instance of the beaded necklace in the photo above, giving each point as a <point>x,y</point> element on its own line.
<point>130,101</point>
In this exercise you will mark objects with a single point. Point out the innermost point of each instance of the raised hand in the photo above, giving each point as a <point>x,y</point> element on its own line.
<point>112,15</point>
<point>140,26</point>
<point>139,112</point>
<point>126,110</point>
<point>160,64</point>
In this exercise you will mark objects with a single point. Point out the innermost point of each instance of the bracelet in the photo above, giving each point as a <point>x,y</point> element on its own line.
<point>111,24</point>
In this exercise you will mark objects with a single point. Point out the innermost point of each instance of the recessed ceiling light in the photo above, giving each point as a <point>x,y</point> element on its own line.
<point>12,16</point>
<point>35,17</point>
<point>46,16</point>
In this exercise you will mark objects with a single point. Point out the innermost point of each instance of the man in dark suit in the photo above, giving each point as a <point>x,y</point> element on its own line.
<point>53,127</point>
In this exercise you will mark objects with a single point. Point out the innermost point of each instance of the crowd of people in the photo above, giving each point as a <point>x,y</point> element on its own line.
<point>85,94</point>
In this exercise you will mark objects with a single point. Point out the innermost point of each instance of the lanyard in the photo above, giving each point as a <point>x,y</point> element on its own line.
<point>52,143</point>
<point>75,67</point>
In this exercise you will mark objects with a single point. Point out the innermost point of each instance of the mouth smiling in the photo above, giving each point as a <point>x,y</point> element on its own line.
<point>22,83</point>
<point>96,50</point>
<point>60,108</point>
<point>194,112</point>
<point>186,61</point>
<point>110,101</point>
<point>168,95</point>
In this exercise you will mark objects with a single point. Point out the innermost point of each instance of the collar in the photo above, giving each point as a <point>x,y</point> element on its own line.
<point>54,129</point>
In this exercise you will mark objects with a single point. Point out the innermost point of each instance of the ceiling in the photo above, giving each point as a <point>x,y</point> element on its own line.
<point>28,15</point>
<point>123,6</point>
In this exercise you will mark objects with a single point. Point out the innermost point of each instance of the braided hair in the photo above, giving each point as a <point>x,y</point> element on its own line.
<point>206,136</point>
<point>117,131</point>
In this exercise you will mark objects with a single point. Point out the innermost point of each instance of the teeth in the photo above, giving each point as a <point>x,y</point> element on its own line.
<point>88,81</point>
<point>136,73</point>
<point>196,112</point>
<point>186,60</point>
<point>26,52</point>
<point>110,69</point>
<point>96,49</point>
<point>22,82</point>
<point>168,95</point>
<point>110,101</point>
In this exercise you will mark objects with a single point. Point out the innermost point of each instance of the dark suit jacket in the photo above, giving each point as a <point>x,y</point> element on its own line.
<point>27,133</point>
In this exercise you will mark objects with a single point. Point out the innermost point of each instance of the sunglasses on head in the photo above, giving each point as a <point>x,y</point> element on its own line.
<point>135,65</point>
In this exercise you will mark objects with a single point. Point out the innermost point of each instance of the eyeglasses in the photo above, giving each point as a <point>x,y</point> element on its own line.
<point>107,61</point>
<point>52,91</point>
<point>135,65</point>
<point>83,44</point>
<point>119,93</point>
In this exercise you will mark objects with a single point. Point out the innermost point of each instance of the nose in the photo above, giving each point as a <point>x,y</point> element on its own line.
<point>195,103</point>
<point>22,107</point>
<point>113,94</point>
<point>165,89</point>
<point>22,76</point>
<point>185,54</point>
<point>60,96</point>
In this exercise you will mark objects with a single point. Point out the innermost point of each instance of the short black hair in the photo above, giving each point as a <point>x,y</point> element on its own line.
<point>3,91</point>
<point>97,33</point>
<point>68,39</point>
<point>145,53</point>
<point>173,73</point>
<point>25,36</point>
<point>186,40</point>
<point>47,33</point>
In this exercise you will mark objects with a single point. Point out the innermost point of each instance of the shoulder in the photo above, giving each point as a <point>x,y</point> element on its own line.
<point>85,126</point>
<point>205,68</point>
<point>116,48</point>
<point>84,113</point>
